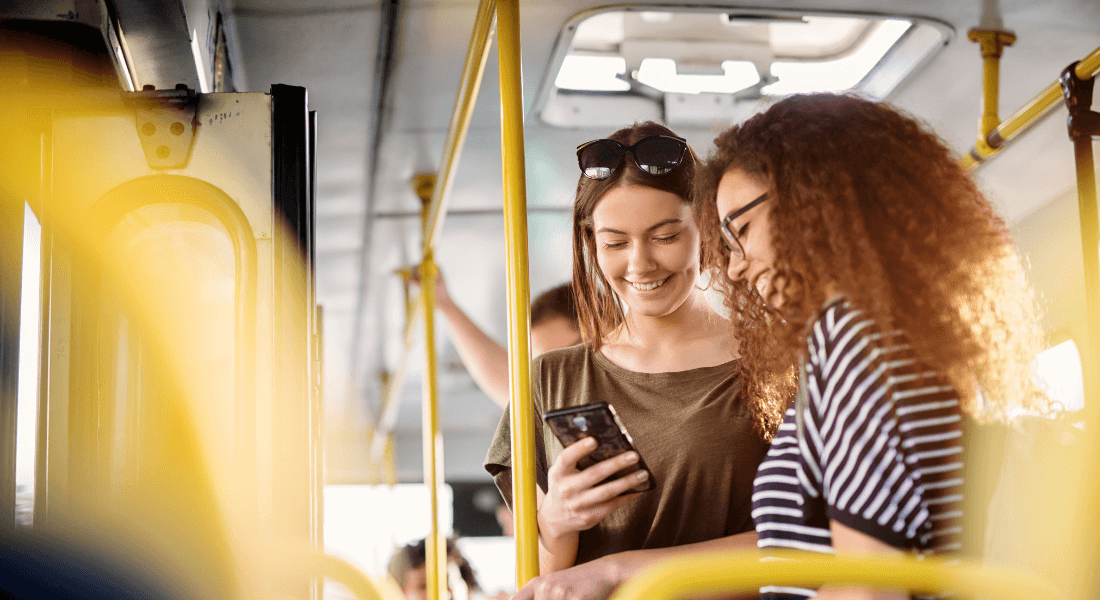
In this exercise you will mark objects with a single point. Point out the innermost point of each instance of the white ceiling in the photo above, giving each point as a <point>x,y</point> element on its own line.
<point>331,48</point>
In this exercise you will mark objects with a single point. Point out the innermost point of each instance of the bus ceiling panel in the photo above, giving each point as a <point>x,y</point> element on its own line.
<point>329,52</point>
<point>436,36</point>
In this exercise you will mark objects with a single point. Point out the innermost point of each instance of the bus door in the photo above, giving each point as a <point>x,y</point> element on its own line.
<point>177,243</point>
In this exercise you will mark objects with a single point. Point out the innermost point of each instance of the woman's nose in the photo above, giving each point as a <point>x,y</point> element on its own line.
<point>641,259</point>
<point>737,269</point>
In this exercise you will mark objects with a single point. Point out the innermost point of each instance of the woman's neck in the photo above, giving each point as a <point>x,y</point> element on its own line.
<point>672,329</point>
<point>690,337</point>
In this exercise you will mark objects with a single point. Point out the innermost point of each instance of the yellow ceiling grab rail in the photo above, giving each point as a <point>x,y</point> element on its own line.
<point>994,140</point>
<point>717,572</point>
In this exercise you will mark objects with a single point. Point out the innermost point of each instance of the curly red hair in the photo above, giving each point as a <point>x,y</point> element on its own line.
<point>870,202</point>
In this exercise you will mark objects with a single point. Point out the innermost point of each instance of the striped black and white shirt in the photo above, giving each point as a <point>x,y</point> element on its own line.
<point>880,449</point>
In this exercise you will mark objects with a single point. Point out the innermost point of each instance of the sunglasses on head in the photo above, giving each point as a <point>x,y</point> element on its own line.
<point>656,155</point>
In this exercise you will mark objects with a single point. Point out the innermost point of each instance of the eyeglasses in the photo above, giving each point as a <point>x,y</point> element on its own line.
<point>656,155</point>
<point>729,236</point>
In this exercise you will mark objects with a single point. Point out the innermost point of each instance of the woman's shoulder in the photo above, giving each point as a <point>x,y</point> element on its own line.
<point>557,376</point>
<point>562,358</point>
<point>561,365</point>
<point>838,319</point>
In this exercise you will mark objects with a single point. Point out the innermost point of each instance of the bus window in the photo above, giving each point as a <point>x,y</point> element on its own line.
<point>365,524</point>
<point>30,310</point>
<point>1059,370</point>
<point>183,258</point>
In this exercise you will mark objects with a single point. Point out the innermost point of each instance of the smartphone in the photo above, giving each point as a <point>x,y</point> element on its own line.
<point>599,421</point>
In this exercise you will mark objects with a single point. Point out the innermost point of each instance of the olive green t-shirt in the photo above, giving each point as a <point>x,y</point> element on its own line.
<point>692,429</point>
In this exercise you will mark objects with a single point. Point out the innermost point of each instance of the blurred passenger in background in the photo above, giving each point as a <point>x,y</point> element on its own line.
<point>553,326</point>
<point>408,568</point>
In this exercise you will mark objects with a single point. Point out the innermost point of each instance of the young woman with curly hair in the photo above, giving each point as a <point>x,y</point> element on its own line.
<point>870,280</point>
<point>656,351</point>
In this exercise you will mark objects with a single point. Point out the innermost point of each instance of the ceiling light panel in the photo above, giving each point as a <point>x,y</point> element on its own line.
<point>657,57</point>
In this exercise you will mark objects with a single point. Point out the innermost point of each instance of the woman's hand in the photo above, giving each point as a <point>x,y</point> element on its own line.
<point>575,500</point>
<point>442,296</point>
<point>591,581</point>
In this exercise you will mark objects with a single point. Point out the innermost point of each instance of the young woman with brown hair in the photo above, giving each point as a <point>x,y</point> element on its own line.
<point>874,283</point>
<point>656,351</point>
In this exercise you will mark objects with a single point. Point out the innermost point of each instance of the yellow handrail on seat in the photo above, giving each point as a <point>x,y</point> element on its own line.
<point>718,572</point>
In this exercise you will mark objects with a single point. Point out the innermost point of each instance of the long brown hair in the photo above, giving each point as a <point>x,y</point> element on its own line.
<point>599,311</point>
<point>865,198</point>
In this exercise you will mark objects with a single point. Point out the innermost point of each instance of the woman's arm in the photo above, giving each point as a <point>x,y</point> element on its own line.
<point>575,500</point>
<point>848,541</point>
<point>596,580</point>
<point>484,358</point>
<point>556,552</point>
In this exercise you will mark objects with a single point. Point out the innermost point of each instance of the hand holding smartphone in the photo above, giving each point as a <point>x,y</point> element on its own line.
<point>598,421</point>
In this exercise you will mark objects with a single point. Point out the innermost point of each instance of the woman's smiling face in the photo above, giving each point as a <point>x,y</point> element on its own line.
<point>647,247</point>
<point>753,229</point>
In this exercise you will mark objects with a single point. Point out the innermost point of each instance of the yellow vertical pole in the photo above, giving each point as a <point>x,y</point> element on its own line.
<point>519,293</point>
<point>992,43</point>
<point>435,546</point>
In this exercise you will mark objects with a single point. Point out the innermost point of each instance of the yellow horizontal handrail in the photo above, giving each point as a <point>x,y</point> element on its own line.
<point>719,572</point>
<point>1027,115</point>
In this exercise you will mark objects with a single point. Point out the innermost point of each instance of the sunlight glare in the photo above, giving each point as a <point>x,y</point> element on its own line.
<point>592,73</point>
<point>660,73</point>
<point>836,75</point>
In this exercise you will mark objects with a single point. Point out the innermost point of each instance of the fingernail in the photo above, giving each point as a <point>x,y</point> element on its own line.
<point>590,442</point>
<point>631,458</point>
<point>642,475</point>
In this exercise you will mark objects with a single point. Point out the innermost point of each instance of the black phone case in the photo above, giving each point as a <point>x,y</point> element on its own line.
<point>600,421</point>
